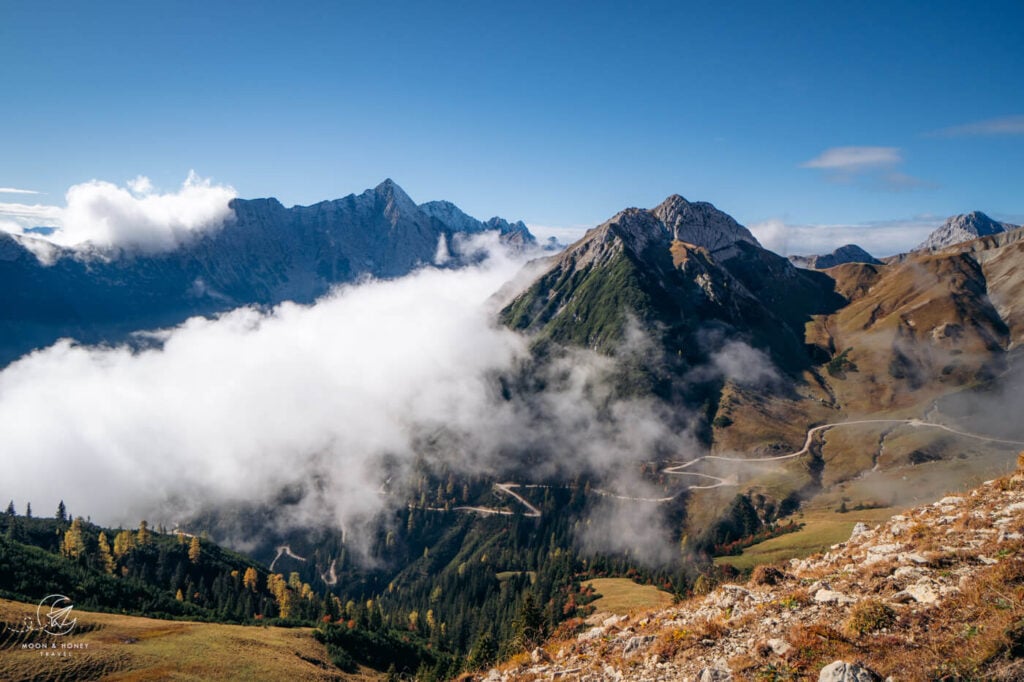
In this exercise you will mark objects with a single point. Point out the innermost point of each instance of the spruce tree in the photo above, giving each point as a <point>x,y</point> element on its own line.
<point>143,537</point>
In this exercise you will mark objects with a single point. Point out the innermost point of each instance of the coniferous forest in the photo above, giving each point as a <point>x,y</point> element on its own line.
<point>446,591</point>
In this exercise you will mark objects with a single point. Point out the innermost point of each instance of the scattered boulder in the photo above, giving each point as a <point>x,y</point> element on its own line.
<point>637,643</point>
<point>767,575</point>
<point>780,647</point>
<point>841,671</point>
<point>825,596</point>
<point>714,675</point>
<point>922,593</point>
<point>859,529</point>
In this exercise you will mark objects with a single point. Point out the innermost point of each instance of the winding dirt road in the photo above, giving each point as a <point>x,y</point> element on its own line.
<point>718,481</point>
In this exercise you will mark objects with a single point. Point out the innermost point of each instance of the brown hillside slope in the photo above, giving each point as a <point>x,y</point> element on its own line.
<point>113,647</point>
<point>935,593</point>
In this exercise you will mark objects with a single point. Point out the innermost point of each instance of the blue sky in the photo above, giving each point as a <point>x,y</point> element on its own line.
<point>868,116</point>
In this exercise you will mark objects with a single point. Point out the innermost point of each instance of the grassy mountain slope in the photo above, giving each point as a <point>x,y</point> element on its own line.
<point>119,647</point>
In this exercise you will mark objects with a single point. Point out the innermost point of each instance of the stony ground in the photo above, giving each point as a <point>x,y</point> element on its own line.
<point>936,593</point>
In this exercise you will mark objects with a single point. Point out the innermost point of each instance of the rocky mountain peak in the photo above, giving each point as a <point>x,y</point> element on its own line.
<point>396,202</point>
<point>962,228</point>
<point>701,224</point>
<point>638,228</point>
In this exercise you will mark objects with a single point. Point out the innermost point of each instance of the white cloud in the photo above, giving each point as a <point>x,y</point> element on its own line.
<point>564,234</point>
<point>873,167</point>
<point>104,215</point>
<point>855,159</point>
<point>1005,125</point>
<point>883,238</point>
<point>141,185</point>
<point>315,397</point>
<point>29,215</point>
<point>15,190</point>
<point>234,408</point>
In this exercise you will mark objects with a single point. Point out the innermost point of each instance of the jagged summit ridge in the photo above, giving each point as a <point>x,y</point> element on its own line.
<point>267,254</point>
<point>962,228</point>
<point>676,219</point>
<point>700,223</point>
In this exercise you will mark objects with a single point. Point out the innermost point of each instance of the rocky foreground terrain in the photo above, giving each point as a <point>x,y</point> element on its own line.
<point>936,593</point>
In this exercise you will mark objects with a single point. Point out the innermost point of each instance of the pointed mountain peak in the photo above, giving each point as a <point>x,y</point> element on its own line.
<point>390,189</point>
<point>673,203</point>
<point>397,202</point>
<point>700,223</point>
<point>962,228</point>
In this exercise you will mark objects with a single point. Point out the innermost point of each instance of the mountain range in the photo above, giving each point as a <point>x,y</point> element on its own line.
<point>921,319</point>
<point>265,255</point>
<point>848,382</point>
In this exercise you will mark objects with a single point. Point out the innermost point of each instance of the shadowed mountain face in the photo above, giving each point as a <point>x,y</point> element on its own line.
<point>862,338</point>
<point>266,255</point>
<point>682,271</point>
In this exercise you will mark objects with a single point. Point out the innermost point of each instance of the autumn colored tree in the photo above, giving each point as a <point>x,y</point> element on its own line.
<point>106,558</point>
<point>250,578</point>
<point>277,586</point>
<point>124,542</point>
<point>194,550</point>
<point>143,537</point>
<point>73,544</point>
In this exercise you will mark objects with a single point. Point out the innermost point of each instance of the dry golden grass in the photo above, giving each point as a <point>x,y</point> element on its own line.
<point>131,648</point>
<point>622,596</point>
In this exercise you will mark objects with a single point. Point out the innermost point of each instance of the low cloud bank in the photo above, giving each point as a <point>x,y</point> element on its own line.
<point>103,215</point>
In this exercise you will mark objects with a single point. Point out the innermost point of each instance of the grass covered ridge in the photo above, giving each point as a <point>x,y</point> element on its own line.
<point>134,648</point>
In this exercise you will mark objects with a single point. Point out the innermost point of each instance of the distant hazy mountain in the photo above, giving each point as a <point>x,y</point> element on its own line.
<point>267,255</point>
<point>850,253</point>
<point>962,228</point>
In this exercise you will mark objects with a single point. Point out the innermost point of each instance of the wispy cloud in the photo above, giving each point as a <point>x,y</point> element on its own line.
<point>15,190</point>
<point>29,215</point>
<point>855,159</point>
<point>1005,125</point>
<point>874,167</point>
<point>879,238</point>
